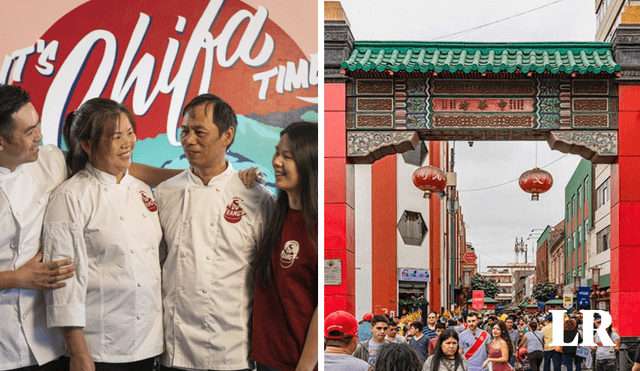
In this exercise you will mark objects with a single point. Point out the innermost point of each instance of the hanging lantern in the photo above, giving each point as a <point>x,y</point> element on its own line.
<point>535,181</point>
<point>429,179</point>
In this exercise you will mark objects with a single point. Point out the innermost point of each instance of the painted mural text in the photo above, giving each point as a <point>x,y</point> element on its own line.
<point>283,78</point>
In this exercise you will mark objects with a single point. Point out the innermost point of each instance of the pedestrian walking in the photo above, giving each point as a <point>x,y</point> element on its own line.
<point>398,357</point>
<point>446,356</point>
<point>533,341</point>
<point>499,349</point>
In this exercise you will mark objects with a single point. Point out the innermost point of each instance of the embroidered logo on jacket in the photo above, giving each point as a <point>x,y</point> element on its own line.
<point>289,254</point>
<point>234,211</point>
<point>149,202</point>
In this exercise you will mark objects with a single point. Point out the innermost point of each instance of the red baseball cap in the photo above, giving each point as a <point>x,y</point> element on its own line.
<point>339,324</point>
<point>367,317</point>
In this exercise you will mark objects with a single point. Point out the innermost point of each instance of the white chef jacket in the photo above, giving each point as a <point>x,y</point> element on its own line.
<point>25,339</point>
<point>112,233</point>
<point>211,232</point>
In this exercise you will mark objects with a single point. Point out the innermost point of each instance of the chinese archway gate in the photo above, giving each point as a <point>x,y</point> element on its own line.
<point>385,97</point>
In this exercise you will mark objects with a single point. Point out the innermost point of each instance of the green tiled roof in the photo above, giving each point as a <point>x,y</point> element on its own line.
<point>557,57</point>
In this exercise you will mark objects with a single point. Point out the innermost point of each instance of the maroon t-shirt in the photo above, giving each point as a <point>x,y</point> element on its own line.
<point>282,312</point>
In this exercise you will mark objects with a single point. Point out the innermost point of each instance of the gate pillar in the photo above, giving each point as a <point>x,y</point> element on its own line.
<point>339,217</point>
<point>625,187</point>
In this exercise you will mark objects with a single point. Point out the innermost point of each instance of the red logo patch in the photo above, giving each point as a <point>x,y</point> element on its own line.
<point>234,212</point>
<point>149,202</point>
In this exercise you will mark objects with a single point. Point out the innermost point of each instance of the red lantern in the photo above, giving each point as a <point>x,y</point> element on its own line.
<point>535,181</point>
<point>429,179</point>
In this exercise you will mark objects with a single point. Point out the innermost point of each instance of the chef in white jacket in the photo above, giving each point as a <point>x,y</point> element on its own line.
<point>212,224</point>
<point>105,220</point>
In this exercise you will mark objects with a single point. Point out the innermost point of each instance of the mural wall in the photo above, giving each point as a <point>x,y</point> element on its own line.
<point>156,55</point>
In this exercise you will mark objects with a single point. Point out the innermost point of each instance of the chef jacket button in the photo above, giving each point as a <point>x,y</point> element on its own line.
<point>178,321</point>
<point>18,213</point>
<point>24,316</point>
<point>186,221</point>
<point>204,291</point>
<point>218,189</point>
<point>138,316</point>
<point>106,188</point>
<point>139,284</point>
<point>153,247</point>
<point>40,202</point>
<point>212,224</point>
<point>122,217</point>
<point>132,251</point>
<point>208,257</point>
<point>179,288</point>
<point>158,278</point>
<point>158,309</point>
<point>188,189</point>
<point>129,187</point>
<point>144,215</point>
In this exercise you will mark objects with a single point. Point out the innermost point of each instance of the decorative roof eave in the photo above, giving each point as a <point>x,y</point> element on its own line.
<point>584,58</point>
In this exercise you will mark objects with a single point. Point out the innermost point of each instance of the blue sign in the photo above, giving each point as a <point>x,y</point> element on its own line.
<point>499,308</point>
<point>583,296</point>
<point>540,305</point>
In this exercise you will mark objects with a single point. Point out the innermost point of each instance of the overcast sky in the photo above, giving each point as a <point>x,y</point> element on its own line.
<point>496,215</point>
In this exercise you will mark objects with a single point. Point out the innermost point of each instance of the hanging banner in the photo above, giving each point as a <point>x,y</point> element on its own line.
<point>583,296</point>
<point>156,55</point>
<point>478,299</point>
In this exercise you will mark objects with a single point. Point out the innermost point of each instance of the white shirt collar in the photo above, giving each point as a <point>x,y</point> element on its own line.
<point>196,179</point>
<point>104,177</point>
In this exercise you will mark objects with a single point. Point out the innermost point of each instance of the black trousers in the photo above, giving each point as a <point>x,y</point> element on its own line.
<point>57,365</point>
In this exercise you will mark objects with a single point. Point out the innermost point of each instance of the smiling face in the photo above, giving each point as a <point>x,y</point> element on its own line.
<point>202,143</point>
<point>22,146</point>
<point>285,167</point>
<point>495,331</point>
<point>114,154</point>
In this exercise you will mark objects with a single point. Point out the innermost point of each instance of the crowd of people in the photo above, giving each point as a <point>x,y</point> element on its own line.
<point>97,272</point>
<point>479,343</point>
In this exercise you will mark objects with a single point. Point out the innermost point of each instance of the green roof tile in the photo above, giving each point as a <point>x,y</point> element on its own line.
<point>557,57</point>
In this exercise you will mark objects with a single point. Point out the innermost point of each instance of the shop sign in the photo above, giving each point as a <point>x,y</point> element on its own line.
<point>415,275</point>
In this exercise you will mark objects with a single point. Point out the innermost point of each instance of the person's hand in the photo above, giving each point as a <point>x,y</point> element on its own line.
<point>250,176</point>
<point>485,363</point>
<point>36,275</point>
<point>81,363</point>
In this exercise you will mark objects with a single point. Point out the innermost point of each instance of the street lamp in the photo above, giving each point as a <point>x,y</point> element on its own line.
<point>595,274</point>
<point>595,284</point>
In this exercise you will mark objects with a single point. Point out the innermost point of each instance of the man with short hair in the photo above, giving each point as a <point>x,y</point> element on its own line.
<point>28,175</point>
<point>419,340</point>
<point>473,343</point>
<point>211,224</point>
<point>440,327</point>
<point>392,334</point>
<point>341,339</point>
<point>430,329</point>
<point>367,350</point>
<point>513,334</point>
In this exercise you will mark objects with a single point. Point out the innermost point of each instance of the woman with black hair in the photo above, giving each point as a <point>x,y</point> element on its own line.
<point>500,349</point>
<point>446,356</point>
<point>285,316</point>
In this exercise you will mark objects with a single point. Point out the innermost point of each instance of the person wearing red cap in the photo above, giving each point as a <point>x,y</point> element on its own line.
<point>341,339</point>
<point>364,328</point>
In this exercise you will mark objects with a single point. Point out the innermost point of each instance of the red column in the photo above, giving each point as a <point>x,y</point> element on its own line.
<point>339,214</point>
<point>625,216</point>
<point>384,249</point>
<point>435,234</point>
